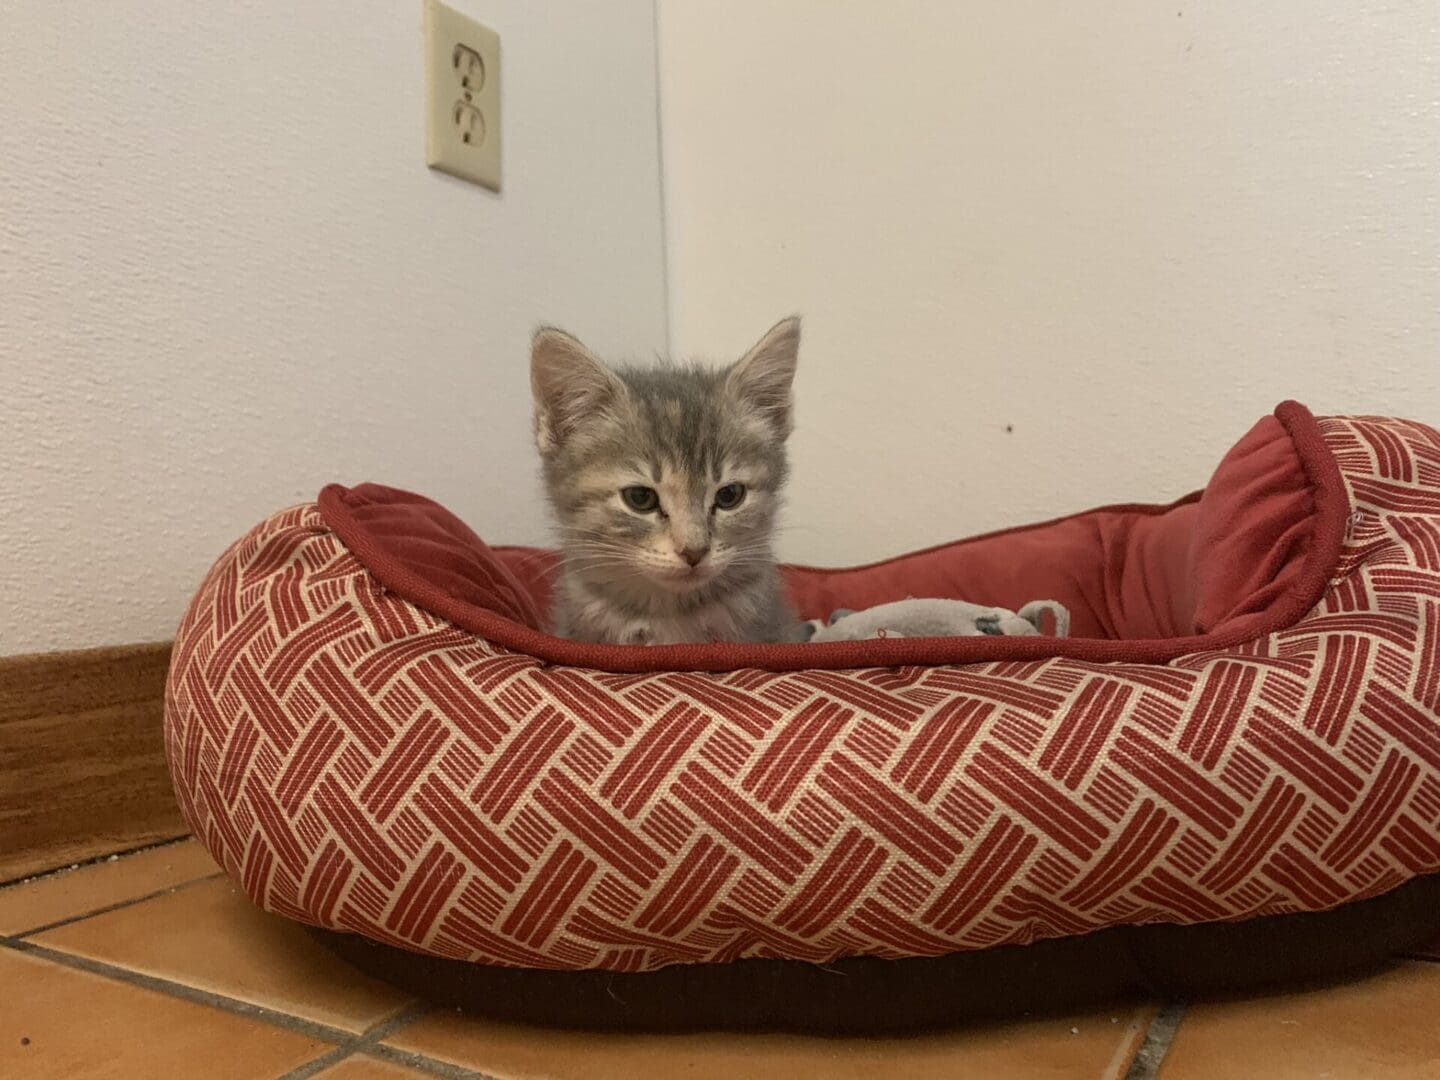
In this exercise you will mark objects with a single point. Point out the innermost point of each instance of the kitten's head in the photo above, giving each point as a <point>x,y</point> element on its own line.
<point>664,478</point>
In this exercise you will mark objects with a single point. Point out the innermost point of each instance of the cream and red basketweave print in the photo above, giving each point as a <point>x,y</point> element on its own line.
<point>356,763</point>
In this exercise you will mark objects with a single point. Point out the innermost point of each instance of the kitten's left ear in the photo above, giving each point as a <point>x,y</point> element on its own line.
<point>761,379</point>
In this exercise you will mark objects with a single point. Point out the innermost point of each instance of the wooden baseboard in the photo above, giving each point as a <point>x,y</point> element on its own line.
<point>82,757</point>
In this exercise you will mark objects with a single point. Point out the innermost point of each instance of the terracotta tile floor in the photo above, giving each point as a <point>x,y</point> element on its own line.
<point>151,965</point>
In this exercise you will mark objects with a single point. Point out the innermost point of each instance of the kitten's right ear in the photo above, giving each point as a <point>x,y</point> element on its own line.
<point>761,378</point>
<point>569,383</point>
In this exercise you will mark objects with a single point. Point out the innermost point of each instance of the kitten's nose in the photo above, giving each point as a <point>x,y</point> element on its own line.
<point>693,555</point>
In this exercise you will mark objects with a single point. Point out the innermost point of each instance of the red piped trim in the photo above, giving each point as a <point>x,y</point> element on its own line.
<point>1331,511</point>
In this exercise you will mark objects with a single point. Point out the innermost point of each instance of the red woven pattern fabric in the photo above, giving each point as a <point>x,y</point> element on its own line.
<point>355,762</point>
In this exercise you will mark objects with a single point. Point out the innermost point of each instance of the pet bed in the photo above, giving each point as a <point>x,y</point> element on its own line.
<point>370,730</point>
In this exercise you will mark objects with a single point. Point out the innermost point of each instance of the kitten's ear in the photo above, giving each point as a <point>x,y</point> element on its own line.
<point>569,383</point>
<point>761,378</point>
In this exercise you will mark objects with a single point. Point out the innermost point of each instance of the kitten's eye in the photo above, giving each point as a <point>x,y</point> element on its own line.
<point>730,496</point>
<point>642,500</point>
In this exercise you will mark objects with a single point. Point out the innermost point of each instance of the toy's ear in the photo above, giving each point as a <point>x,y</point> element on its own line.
<point>1034,613</point>
<point>761,379</point>
<point>568,383</point>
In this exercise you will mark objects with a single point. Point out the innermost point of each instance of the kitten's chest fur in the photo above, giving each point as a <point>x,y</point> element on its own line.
<point>753,611</point>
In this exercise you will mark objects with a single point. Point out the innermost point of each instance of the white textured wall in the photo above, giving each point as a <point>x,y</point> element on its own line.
<point>1123,230</point>
<point>227,277</point>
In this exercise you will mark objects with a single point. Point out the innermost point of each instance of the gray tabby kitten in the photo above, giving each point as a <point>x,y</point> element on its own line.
<point>666,482</point>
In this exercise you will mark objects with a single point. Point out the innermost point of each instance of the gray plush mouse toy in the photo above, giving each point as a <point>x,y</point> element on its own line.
<point>938,618</point>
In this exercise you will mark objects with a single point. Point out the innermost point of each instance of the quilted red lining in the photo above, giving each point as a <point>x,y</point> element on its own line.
<point>1248,556</point>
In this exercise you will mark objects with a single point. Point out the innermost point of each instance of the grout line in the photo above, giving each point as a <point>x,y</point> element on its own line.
<point>315,1065</point>
<point>406,1016</point>
<point>373,1034</point>
<point>427,1064</point>
<point>1137,1023</point>
<point>297,1024</point>
<point>346,1043</point>
<point>123,853</point>
<point>1146,1063</point>
<point>105,909</point>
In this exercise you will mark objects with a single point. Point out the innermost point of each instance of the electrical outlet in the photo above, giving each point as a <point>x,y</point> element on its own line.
<point>462,96</point>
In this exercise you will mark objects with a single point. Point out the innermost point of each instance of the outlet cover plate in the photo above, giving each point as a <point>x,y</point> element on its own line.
<point>462,96</point>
